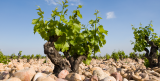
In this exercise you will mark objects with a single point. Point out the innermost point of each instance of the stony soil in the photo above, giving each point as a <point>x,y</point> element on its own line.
<point>98,70</point>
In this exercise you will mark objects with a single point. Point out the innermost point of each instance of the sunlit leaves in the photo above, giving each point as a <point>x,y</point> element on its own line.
<point>65,6</point>
<point>139,35</point>
<point>72,42</point>
<point>95,13</point>
<point>65,47</point>
<point>55,13</point>
<point>78,13</point>
<point>102,30</point>
<point>35,28</point>
<point>79,6</point>
<point>43,34</point>
<point>34,21</point>
<point>66,1</point>
<point>151,29</point>
<point>61,42</point>
<point>99,17</point>
<point>87,61</point>
<point>58,32</point>
<point>96,48</point>
<point>63,2</point>
<point>65,11</point>
<point>91,21</point>
<point>76,28</point>
<point>46,22</point>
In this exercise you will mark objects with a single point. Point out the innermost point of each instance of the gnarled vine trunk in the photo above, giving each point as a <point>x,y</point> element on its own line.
<point>159,61</point>
<point>57,59</point>
<point>18,60</point>
<point>153,53</point>
<point>121,57</point>
<point>136,58</point>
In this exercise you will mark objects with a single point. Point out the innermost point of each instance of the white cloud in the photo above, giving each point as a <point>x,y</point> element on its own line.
<point>110,15</point>
<point>75,2</point>
<point>72,4</point>
<point>51,2</point>
<point>54,2</point>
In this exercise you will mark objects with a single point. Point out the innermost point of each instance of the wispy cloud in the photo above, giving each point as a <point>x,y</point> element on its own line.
<point>50,2</point>
<point>75,2</point>
<point>54,2</point>
<point>110,15</point>
<point>72,4</point>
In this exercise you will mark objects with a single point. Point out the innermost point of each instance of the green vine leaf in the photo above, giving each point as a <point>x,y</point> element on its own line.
<point>79,6</point>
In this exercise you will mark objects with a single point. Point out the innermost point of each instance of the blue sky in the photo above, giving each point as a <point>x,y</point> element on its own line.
<point>16,30</point>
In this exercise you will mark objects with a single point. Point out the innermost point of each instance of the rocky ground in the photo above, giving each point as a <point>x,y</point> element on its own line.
<point>98,70</point>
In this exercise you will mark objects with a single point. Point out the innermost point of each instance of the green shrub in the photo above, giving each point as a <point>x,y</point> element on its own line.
<point>107,56</point>
<point>96,57</point>
<point>132,55</point>
<point>121,54</point>
<point>142,56</point>
<point>32,56</point>
<point>126,56</point>
<point>4,59</point>
<point>43,57</point>
<point>44,61</point>
<point>23,57</point>
<point>13,56</point>
<point>146,62</point>
<point>20,53</point>
<point>38,56</point>
<point>28,57</point>
<point>115,56</point>
<point>100,57</point>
